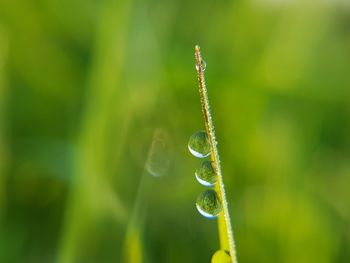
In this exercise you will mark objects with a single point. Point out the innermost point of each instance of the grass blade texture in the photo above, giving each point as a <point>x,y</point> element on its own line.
<point>224,222</point>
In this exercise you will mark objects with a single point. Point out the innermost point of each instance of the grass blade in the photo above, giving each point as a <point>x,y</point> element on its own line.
<point>224,222</point>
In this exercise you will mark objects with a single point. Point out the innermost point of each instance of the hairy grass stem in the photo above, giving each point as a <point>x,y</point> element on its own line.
<point>224,222</point>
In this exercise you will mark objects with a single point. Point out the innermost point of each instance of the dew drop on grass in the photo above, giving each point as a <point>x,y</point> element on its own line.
<point>208,204</point>
<point>204,65</point>
<point>221,256</point>
<point>205,174</point>
<point>199,144</point>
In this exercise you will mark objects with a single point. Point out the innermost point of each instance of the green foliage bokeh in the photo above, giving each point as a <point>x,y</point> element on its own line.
<point>86,86</point>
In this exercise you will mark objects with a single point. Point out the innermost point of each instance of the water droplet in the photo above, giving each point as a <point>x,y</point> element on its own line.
<point>208,204</point>
<point>199,144</point>
<point>205,174</point>
<point>221,256</point>
<point>158,159</point>
<point>204,65</point>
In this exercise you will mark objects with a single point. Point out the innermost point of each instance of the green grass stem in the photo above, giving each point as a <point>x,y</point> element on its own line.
<point>224,222</point>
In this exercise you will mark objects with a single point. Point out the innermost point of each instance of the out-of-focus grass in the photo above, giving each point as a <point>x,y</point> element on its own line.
<point>92,197</point>
<point>3,121</point>
<point>84,84</point>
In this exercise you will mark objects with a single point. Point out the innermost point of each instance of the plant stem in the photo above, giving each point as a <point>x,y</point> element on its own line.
<point>224,222</point>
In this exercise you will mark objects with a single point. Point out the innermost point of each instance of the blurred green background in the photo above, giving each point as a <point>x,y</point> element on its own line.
<point>93,92</point>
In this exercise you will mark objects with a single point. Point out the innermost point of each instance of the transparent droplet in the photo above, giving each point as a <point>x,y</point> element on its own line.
<point>204,65</point>
<point>158,159</point>
<point>208,204</point>
<point>205,174</point>
<point>199,144</point>
<point>221,256</point>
